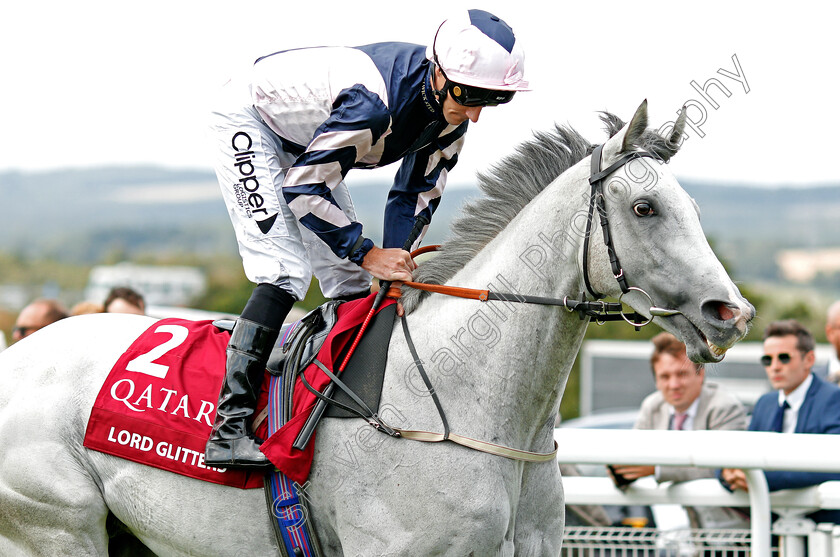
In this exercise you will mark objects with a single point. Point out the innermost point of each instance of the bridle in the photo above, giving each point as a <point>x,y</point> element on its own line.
<point>597,309</point>
<point>597,199</point>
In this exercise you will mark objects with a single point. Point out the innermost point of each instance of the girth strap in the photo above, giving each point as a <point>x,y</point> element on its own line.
<point>469,442</point>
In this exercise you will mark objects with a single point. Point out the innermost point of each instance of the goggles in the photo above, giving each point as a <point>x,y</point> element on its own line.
<point>767,359</point>
<point>470,95</point>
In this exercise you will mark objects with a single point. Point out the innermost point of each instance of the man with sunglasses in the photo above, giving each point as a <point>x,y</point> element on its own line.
<point>37,315</point>
<point>800,403</point>
<point>287,134</point>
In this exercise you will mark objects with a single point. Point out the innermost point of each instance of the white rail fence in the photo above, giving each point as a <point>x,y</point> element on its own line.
<point>751,451</point>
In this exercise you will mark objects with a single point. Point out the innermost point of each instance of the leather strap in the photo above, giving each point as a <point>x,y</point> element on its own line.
<point>419,363</point>
<point>595,164</point>
<point>469,442</point>
<point>482,446</point>
<point>597,199</point>
<point>365,413</point>
<point>458,291</point>
<point>260,418</point>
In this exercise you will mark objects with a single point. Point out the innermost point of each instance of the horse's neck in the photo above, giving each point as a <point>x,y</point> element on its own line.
<point>510,361</point>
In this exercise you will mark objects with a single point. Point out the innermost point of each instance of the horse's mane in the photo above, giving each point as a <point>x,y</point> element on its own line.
<point>508,187</point>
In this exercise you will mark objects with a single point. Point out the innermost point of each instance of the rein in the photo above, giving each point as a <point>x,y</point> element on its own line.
<point>596,309</point>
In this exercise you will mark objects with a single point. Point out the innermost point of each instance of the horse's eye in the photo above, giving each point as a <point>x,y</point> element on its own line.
<point>643,209</point>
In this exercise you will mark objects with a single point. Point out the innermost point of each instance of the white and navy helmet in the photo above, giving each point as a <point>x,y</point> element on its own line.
<point>478,50</point>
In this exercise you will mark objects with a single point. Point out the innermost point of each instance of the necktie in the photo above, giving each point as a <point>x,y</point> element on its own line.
<point>779,418</point>
<point>679,420</point>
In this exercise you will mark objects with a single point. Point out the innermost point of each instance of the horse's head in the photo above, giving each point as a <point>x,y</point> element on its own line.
<point>661,247</point>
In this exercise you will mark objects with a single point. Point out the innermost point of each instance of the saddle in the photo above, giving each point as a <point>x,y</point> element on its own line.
<point>300,342</point>
<point>364,373</point>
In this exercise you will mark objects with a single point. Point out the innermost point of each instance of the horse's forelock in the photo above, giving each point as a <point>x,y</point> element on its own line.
<point>509,186</point>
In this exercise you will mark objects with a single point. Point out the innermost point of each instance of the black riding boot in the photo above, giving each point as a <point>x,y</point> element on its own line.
<point>232,444</point>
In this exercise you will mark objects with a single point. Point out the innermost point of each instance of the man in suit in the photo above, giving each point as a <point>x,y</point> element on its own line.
<point>830,370</point>
<point>684,400</point>
<point>800,403</point>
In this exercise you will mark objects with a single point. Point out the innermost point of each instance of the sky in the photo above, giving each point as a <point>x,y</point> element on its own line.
<point>91,83</point>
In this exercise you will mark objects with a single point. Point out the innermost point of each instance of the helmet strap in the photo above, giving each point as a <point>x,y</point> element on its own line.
<point>440,94</point>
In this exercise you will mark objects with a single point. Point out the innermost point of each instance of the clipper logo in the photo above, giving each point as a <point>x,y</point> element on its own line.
<point>247,189</point>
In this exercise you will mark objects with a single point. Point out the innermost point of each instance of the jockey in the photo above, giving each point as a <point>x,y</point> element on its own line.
<point>285,139</point>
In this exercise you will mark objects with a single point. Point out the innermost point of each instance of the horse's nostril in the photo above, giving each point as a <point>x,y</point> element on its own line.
<point>719,310</point>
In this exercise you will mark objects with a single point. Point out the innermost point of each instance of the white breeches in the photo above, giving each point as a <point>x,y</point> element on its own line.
<point>250,163</point>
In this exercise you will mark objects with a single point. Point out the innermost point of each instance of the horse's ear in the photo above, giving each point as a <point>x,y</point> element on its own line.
<point>679,128</point>
<point>637,127</point>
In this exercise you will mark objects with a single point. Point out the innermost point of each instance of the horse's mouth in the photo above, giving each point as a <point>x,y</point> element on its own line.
<point>705,350</point>
<point>715,352</point>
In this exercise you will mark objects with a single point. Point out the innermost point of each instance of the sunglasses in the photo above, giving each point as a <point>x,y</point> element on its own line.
<point>23,331</point>
<point>767,359</point>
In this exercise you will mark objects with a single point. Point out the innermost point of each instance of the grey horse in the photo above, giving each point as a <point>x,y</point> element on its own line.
<point>499,370</point>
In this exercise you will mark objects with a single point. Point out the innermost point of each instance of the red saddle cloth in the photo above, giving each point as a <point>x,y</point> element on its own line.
<point>296,464</point>
<point>158,403</point>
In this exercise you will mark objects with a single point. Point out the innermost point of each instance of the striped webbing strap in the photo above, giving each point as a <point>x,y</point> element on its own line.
<point>287,502</point>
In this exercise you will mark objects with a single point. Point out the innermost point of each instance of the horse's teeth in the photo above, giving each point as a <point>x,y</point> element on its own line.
<point>716,350</point>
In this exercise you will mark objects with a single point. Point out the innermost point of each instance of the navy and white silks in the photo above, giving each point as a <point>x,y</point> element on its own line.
<point>286,136</point>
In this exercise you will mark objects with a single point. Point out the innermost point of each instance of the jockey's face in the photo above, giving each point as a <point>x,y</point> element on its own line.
<point>453,112</point>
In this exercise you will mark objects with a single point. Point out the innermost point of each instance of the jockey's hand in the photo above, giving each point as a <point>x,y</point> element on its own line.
<point>389,264</point>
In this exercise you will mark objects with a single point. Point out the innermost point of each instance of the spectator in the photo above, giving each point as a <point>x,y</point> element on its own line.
<point>801,403</point>
<point>37,315</point>
<point>831,369</point>
<point>83,308</point>
<point>684,400</point>
<point>122,299</point>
